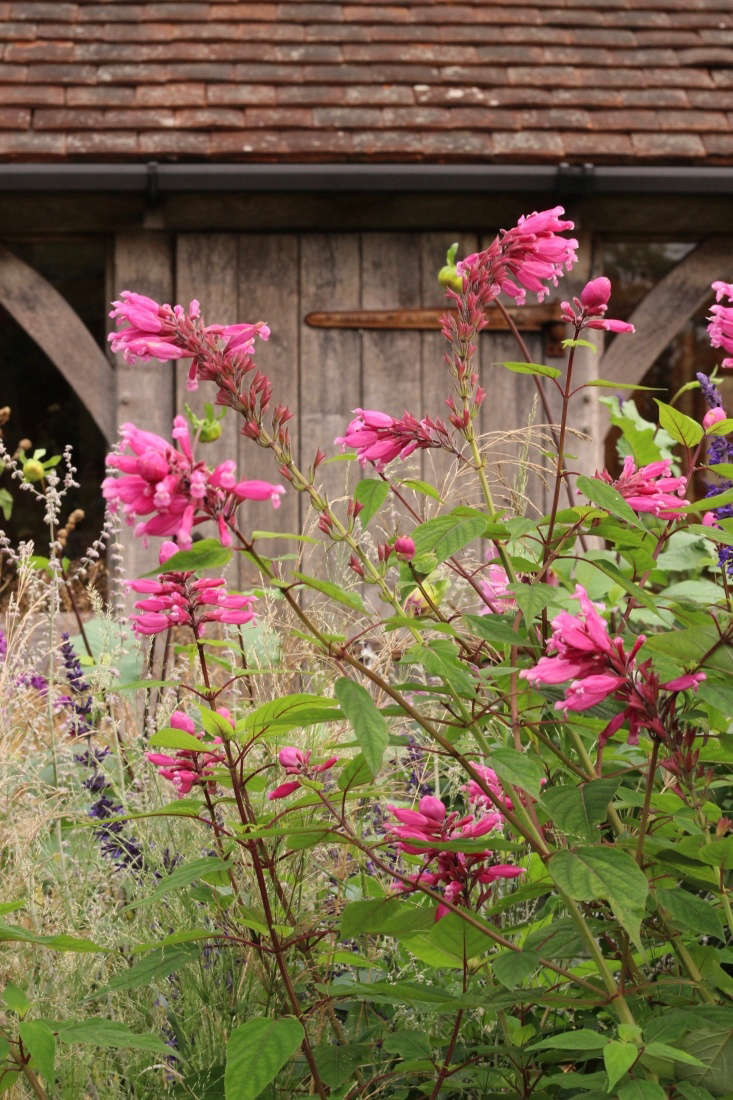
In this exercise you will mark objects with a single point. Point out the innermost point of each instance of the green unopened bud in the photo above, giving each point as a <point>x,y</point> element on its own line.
<point>208,426</point>
<point>33,470</point>
<point>210,430</point>
<point>448,274</point>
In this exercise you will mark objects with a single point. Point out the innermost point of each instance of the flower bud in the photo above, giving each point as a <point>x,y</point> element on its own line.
<point>404,548</point>
<point>713,417</point>
<point>595,294</point>
<point>33,470</point>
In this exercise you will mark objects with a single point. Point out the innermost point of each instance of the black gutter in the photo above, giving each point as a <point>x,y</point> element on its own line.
<point>155,178</point>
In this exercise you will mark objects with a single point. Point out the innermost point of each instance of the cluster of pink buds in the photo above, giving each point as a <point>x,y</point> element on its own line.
<point>588,310</point>
<point>720,327</point>
<point>525,257</point>
<point>180,492</point>
<point>178,599</point>
<point>403,548</point>
<point>187,767</point>
<point>379,438</point>
<point>650,489</point>
<point>297,762</point>
<point>155,331</point>
<point>457,874</point>
<point>599,668</point>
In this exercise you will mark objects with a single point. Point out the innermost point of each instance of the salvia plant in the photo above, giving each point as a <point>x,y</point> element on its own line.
<point>479,845</point>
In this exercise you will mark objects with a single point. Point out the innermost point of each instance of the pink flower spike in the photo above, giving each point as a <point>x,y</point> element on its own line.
<point>379,438</point>
<point>650,489</point>
<point>720,326</point>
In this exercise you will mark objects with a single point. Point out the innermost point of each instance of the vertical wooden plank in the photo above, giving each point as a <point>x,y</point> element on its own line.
<point>330,359</point>
<point>206,268</point>
<point>437,384</point>
<point>142,261</point>
<point>268,291</point>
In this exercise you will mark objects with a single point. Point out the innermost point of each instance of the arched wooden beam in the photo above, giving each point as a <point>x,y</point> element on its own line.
<point>60,333</point>
<point>666,309</point>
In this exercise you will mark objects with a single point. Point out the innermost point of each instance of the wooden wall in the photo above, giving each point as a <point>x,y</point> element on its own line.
<point>324,373</point>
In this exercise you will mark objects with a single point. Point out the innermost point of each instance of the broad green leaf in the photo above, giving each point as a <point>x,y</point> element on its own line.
<point>682,428</point>
<point>408,1044</point>
<point>582,1039</point>
<point>533,599</point>
<point>348,598</point>
<point>391,917</point>
<point>205,554</point>
<point>446,535</point>
<point>602,872</point>
<point>706,503</point>
<point>664,1050</point>
<point>642,1090</point>
<point>256,1052</point>
<point>605,496</point>
<point>40,1042</point>
<point>180,877</point>
<point>371,494</point>
<point>687,1091</point>
<point>578,809</point>
<point>440,659</point>
<point>158,964</point>
<point>172,738</point>
<point>356,773</point>
<point>61,942</point>
<point>533,368</point>
<point>423,487</point>
<point>16,999</point>
<point>723,427</point>
<point>98,1032</point>
<point>447,942</point>
<point>618,1058</point>
<point>367,722</point>
<point>519,769</point>
<point>279,716</point>
<point>497,629</point>
<point>512,968</point>
<point>691,913</point>
<point>336,1064</point>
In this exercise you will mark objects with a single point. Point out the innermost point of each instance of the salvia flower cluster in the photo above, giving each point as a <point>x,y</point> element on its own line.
<point>186,767</point>
<point>599,667</point>
<point>296,762</point>
<point>650,489</point>
<point>462,878</point>
<point>719,450</point>
<point>588,311</point>
<point>180,599</point>
<point>379,438</point>
<point>178,492</point>
<point>720,327</point>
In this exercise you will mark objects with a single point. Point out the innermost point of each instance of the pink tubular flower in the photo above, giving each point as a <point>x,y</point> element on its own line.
<point>180,492</point>
<point>478,797</point>
<point>522,258</point>
<point>186,767</point>
<point>496,591</point>
<point>588,310</point>
<point>457,873</point>
<point>170,332</point>
<point>720,327</point>
<point>650,489</point>
<point>379,438</point>
<point>600,668</point>
<point>404,548</point>
<point>175,599</point>
<point>297,762</point>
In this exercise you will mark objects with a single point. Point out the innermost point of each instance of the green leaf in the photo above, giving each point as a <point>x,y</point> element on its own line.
<point>497,629</point>
<point>40,1042</point>
<point>691,913</point>
<point>446,535</point>
<point>367,722</point>
<point>9,933</point>
<point>172,738</point>
<point>16,999</point>
<point>583,1039</point>
<point>579,809</point>
<point>608,498</point>
<point>682,428</point>
<point>447,942</point>
<point>6,504</point>
<point>336,1064</point>
<point>205,554</point>
<point>371,494</point>
<point>519,769</point>
<point>256,1052</point>
<point>664,1050</point>
<point>422,487</point>
<point>706,503</point>
<point>618,1058</point>
<point>642,1090</point>
<point>180,877</point>
<point>349,598</point>
<point>692,1092</point>
<point>440,659</point>
<point>601,872</point>
<point>714,1047</point>
<point>723,427</point>
<point>356,773</point>
<point>296,711</point>
<point>158,964</point>
<point>98,1032</point>
<point>512,968</point>
<point>390,916</point>
<point>533,368</point>
<point>609,384</point>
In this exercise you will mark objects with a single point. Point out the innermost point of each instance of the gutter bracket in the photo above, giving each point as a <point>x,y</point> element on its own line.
<point>575,180</point>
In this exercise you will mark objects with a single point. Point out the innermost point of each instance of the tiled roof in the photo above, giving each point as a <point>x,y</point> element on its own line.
<point>607,81</point>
